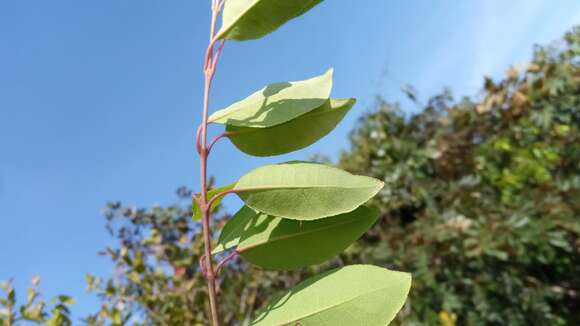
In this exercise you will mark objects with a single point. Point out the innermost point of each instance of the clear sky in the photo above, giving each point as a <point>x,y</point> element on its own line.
<point>99,100</point>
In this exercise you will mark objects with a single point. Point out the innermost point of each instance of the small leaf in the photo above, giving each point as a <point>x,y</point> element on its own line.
<point>277,103</point>
<point>292,135</point>
<point>352,295</point>
<point>11,297</point>
<point>116,317</point>
<point>305,191</point>
<point>252,19</point>
<point>282,244</point>
<point>65,299</point>
<point>196,214</point>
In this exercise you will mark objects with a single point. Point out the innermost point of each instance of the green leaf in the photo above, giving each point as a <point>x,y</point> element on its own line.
<point>116,317</point>
<point>252,19</point>
<point>231,232</point>
<point>292,135</point>
<point>305,191</point>
<point>11,297</point>
<point>352,295</point>
<point>196,214</point>
<point>282,244</point>
<point>277,103</point>
<point>65,299</point>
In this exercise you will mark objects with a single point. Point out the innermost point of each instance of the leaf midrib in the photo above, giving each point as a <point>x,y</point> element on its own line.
<point>297,234</point>
<point>274,187</point>
<point>297,319</point>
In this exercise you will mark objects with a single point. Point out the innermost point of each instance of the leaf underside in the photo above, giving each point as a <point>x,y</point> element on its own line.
<point>305,191</point>
<point>283,244</point>
<point>252,19</point>
<point>351,295</point>
<point>292,135</point>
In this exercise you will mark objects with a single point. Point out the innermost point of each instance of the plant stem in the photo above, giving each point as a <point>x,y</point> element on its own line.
<point>216,139</point>
<point>210,64</point>
<point>224,261</point>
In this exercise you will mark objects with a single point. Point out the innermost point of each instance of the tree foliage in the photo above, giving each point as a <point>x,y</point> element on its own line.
<point>34,309</point>
<point>482,197</point>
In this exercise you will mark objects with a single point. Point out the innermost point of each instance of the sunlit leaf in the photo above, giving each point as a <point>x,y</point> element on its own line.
<point>231,232</point>
<point>277,103</point>
<point>252,19</point>
<point>352,295</point>
<point>305,191</point>
<point>292,135</point>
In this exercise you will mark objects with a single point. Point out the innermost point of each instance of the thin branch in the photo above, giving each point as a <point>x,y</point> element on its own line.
<point>198,140</point>
<point>215,140</point>
<point>221,194</point>
<point>202,265</point>
<point>209,55</point>
<point>217,54</point>
<point>226,259</point>
<point>209,66</point>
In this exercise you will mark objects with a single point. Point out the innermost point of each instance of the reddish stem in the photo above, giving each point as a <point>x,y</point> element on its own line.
<point>210,63</point>
<point>216,139</point>
<point>202,265</point>
<point>218,52</point>
<point>221,194</point>
<point>224,261</point>
<point>198,140</point>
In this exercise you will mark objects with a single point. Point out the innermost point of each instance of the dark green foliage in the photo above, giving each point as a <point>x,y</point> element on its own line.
<point>482,199</point>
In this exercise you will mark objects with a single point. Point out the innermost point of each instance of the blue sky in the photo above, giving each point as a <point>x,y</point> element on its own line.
<point>99,100</point>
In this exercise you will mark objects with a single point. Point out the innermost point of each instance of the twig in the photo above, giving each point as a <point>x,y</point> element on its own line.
<point>221,194</point>
<point>198,140</point>
<point>216,139</point>
<point>224,261</point>
<point>209,67</point>
<point>202,265</point>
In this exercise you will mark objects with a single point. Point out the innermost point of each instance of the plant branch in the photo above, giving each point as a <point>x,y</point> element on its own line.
<point>198,139</point>
<point>206,263</point>
<point>226,259</point>
<point>216,139</point>
<point>202,265</point>
<point>217,55</point>
<point>221,194</point>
